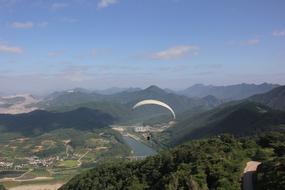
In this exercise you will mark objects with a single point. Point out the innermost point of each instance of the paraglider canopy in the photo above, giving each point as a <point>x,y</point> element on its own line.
<point>155,102</point>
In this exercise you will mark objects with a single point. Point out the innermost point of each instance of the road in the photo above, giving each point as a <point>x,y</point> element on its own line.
<point>79,160</point>
<point>29,171</point>
<point>38,187</point>
<point>247,175</point>
<point>18,179</point>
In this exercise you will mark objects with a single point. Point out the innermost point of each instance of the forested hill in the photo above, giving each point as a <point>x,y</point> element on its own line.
<point>271,172</point>
<point>178,102</point>
<point>40,121</point>
<point>246,118</point>
<point>214,163</point>
<point>274,98</point>
<point>119,105</point>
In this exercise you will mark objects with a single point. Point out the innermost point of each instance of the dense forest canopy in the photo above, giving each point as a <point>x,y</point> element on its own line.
<point>213,163</point>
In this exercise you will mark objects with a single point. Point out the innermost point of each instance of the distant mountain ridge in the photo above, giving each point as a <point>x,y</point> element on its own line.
<point>178,102</point>
<point>124,101</point>
<point>115,90</point>
<point>231,92</point>
<point>274,98</point>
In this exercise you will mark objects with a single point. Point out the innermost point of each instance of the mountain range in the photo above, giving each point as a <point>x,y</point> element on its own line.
<point>274,98</point>
<point>119,105</point>
<point>202,120</point>
<point>115,90</point>
<point>256,114</point>
<point>231,92</point>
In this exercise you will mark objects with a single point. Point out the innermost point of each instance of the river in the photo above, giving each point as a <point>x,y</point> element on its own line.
<point>139,148</point>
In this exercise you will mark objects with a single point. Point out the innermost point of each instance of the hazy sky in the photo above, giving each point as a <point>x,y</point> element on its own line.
<point>60,44</point>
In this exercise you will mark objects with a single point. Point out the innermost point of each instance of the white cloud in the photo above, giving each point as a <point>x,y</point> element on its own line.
<point>251,42</point>
<point>175,52</point>
<point>22,25</point>
<point>10,49</point>
<point>28,25</point>
<point>55,53</point>
<point>248,42</point>
<point>57,6</point>
<point>106,3</point>
<point>279,33</point>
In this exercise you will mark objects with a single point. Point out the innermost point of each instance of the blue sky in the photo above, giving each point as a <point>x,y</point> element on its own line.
<point>53,44</point>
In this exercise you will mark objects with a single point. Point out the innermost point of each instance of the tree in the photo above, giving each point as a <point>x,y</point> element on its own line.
<point>2,187</point>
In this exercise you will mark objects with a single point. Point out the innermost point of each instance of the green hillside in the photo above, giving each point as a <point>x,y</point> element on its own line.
<point>246,118</point>
<point>119,111</point>
<point>178,102</point>
<point>270,173</point>
<point>274,98</point>
<point>119,105</point>
<point>39,121</point>
<point>213,163</point>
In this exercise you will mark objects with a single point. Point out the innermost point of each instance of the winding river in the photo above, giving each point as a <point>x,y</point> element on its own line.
<point>139,148</point>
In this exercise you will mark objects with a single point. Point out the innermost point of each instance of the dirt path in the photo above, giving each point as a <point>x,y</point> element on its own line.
<point>15,178</point>
<point>38,187</point>
<point>25,180</point>
<point>29,171</point>
<point>247,176</point>
<point>79,160</point>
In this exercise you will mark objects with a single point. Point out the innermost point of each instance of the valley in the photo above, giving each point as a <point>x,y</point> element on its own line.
<point>76,131</point>
<point>142,95</point>
<point>54,158</point>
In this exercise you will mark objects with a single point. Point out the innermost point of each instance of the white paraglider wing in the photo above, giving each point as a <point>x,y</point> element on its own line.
<point>155,102</point>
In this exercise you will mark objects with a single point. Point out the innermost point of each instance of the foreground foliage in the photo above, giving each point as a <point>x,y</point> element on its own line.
<point>207,164</point>
<point>271,173</point>
<point>214,163</point>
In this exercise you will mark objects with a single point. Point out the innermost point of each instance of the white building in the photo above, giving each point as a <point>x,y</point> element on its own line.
<point>142,129</point>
